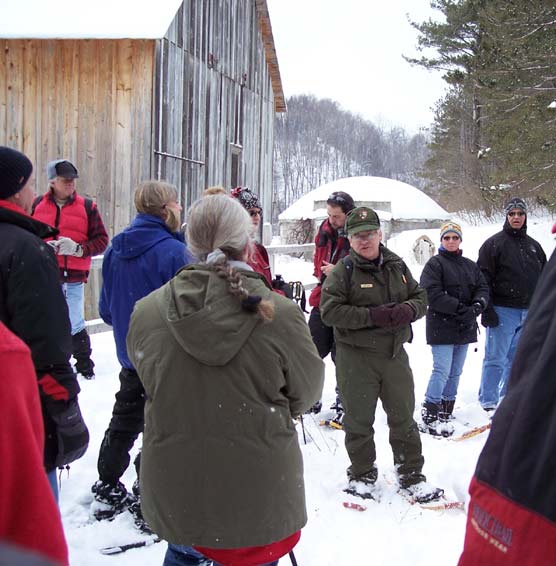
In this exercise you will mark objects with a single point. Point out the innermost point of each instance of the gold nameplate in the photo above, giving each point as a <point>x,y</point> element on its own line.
<point>366,285</point>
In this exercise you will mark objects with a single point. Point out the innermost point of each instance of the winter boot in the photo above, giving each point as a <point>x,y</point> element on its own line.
<point>82,354</point>
<point>430,418</point>
<point>339,408</point>
<point>109,500</point>
<point>316,408</point>
<point>422,492</point>
<point>135,509</point>
<point>447,410</point>
<point>363,485</point>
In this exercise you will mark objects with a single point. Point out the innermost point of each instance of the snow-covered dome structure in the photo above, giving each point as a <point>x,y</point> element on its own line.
<point>399,206</point>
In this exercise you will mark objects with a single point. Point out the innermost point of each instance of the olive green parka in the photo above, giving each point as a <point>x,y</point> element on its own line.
<point>346,298</point>
<point>221,466</point>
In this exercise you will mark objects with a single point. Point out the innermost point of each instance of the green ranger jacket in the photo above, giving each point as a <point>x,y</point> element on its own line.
<point>347,296</point>
<point>221,466</point>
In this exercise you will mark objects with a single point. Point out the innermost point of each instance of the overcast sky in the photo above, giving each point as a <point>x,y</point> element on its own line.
<point>351,51</point>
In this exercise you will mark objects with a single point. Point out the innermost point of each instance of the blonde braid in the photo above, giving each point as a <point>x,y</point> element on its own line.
<point>254,303</point>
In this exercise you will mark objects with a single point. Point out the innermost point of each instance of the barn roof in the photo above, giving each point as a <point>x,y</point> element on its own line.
<point>406,202</point>
<point>116,19</point>
<point>80,19</point>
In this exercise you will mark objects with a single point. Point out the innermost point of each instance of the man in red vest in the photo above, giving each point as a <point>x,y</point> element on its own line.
<point>82,235</point>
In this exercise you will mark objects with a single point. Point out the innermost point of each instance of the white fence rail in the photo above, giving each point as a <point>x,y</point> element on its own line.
<point>95,281</point>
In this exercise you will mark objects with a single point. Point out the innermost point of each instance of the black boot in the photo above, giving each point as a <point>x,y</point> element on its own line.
<point>447,410</point>
<point>82,354</point>
<point>430,417</point>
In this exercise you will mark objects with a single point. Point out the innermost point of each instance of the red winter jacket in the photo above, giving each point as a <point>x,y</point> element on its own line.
<point>258,260</point>
<point>73,222</point>
<point>330,246</point>
<point>251,555</point>
<point>29,515</point>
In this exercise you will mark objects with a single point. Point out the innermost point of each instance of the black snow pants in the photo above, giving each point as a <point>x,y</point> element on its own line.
<point>124,428</point>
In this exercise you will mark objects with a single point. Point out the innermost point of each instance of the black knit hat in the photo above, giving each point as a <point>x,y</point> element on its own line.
<point>246,198</point>
<point>15,170</point>
<point>515,203</point>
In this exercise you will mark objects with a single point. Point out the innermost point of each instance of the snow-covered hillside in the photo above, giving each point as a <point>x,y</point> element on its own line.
<point>391,532</point>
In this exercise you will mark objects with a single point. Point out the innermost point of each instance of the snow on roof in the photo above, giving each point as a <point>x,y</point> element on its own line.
<point>72,19</point>
<point>407,202</point>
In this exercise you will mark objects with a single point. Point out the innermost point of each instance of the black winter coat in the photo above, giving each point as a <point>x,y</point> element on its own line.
<point>33,307</point>
<point>519,457</point>
<point>453,283</point>
<point>511,262</point>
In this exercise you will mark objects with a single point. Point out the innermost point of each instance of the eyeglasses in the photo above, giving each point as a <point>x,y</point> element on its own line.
<point>450,237</point>
<point>517,213</point>
<point>361,236</point>
<point>255,213</point>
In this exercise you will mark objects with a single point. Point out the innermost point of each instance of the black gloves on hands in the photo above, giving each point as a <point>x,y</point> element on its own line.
<point>72,434</point>
<point>391,315</point>
<point>489,318</point>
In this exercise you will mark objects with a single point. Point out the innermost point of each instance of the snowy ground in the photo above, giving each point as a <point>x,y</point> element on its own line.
<point>390,532</point>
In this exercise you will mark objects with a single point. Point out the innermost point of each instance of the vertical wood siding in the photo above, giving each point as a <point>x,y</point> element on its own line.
<point>127,110</point>
<point>212,67</point>
<point>89,101</point>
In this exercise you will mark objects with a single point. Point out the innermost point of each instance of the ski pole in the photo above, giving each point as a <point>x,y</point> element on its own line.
<point>303,429</point>
<point>292,558</point>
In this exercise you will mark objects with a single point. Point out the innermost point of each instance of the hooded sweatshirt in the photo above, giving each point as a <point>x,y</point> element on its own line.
<point>221,465</point>
<point>141,259</point>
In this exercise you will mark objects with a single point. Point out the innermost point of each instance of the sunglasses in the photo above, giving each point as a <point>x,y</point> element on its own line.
<point>518,213</point>
<point>336,199</point>
<point>255,213</point>
<point>450,237</point>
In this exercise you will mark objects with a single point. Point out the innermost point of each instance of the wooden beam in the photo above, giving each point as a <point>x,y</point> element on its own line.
<point>270,55</point>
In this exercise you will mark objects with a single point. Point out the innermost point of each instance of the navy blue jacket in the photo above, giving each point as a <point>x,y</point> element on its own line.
<point>142,258</point>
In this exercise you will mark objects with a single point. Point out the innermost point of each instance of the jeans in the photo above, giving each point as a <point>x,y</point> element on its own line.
<point>447,365</point>
<point>500,346</point>
<point>74,293</point>
<point>53,481</point>
<point>178,555</point>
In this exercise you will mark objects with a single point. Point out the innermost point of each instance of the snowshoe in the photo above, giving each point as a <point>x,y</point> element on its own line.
<point>316,408</point>
<point>422,492</point>
<point>437,428</point>
<point>363,490</point>
<point>109,500</point>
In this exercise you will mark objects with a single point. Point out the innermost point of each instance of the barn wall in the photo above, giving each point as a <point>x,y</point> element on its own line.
<point>214,100</point>
<point>87,100</point>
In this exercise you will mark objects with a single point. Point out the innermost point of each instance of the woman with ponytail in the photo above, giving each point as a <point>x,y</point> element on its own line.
<point>226,365</point>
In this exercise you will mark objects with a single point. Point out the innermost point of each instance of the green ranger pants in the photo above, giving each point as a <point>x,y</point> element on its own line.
<point>363,378</point>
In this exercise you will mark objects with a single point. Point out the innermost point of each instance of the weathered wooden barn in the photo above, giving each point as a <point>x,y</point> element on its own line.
<point>194,105</point>
<point>184,91</point>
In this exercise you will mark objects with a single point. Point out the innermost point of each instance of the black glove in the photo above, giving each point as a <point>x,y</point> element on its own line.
<point>402,314</point>
<point>465,315</point>
<point>477,308</point>
<point>489,319</point>
<point>71,433</point>
<point>382,315</point>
